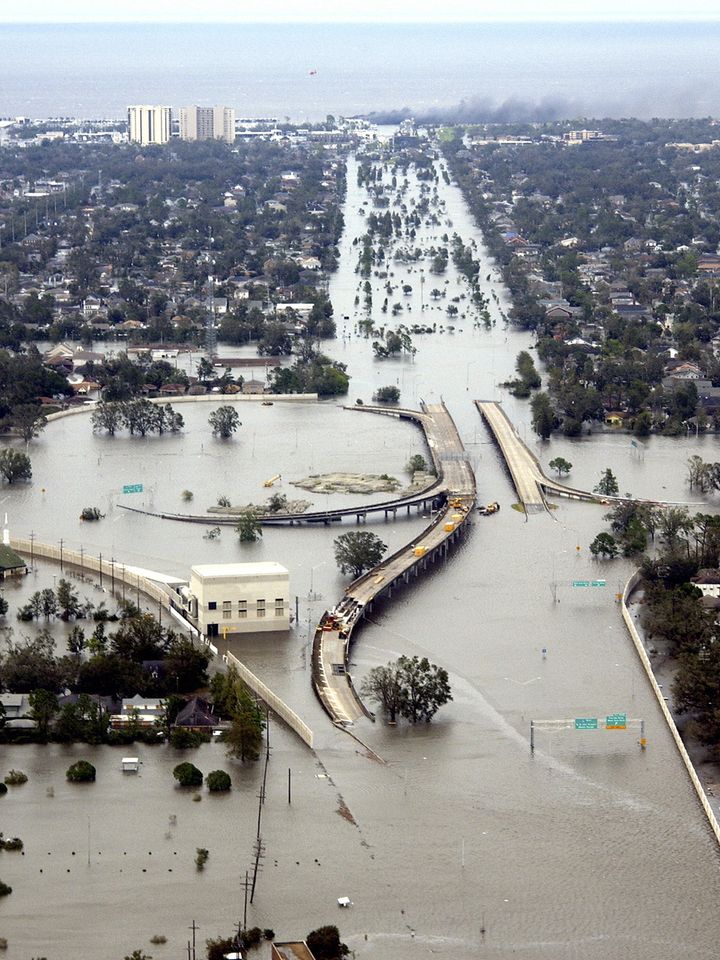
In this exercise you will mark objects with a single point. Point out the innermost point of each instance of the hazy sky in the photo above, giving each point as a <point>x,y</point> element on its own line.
<point>367,10</point>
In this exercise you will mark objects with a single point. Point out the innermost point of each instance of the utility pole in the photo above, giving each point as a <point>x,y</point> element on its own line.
<point>194,928</point>
<point>246,884</point>
<point>61,553</point>
<point>101,571</point>
<point>32,549</point>
<point>259,855</point>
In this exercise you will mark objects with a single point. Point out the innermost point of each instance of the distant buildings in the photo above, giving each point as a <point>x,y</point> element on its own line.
<point>207,123</point>
<point>148,124</point>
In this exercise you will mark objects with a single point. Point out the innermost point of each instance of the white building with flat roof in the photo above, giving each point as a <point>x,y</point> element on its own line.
<point>225,598</point>
<point>148,124</point>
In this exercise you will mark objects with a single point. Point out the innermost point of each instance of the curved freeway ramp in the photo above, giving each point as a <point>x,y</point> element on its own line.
<point>331,645</point>
<point>527,475</point>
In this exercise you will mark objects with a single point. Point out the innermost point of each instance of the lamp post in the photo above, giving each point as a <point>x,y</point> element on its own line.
<point>523,684</point>
<point>311,595</point>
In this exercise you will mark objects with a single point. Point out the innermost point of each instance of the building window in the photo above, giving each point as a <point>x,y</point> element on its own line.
<point>260,608</point>
<point>279,606</point>
<point>242,609</point>
<point>212,605</point>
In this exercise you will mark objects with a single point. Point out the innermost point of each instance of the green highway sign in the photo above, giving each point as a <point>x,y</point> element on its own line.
<point>586,723</point>
<point>581,583</point>
<point>598,583</point>
<point>132,488</point>
<point>616,721</point>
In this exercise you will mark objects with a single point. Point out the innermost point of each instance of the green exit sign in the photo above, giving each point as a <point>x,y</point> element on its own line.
<point>581,583</point>
<point>132,488</point>
<point>586,723</point>
<point>616,721</point>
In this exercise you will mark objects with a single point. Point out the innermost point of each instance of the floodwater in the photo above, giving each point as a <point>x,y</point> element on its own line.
<point>457,844</point>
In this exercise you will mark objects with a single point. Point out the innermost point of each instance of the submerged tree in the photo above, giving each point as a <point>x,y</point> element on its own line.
<point>358,551</point>
<point>607,485</point>
<point>224,422</point>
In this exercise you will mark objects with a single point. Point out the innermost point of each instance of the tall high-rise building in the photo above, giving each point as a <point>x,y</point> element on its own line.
<point>207,123</point>
<point>148,124</point>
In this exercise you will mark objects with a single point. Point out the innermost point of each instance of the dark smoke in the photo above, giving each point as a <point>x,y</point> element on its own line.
<point>483,110</point>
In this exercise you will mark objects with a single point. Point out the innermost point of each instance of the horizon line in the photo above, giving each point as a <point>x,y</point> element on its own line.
<point>669,18</point>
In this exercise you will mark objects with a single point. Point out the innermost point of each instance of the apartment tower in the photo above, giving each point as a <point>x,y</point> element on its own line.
<point>207,123</point>
<point>148,124</point>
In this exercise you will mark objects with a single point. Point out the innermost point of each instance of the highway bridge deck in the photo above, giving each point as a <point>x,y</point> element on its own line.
<point>331,679</point>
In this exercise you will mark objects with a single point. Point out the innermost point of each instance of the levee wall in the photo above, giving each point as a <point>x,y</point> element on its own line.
<point>112,570</point>
<point>277,705</point>
<point>645,660</point>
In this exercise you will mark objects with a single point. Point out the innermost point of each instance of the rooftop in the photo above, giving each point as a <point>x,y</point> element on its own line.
<point>268,568</point>
<point>9,560</point>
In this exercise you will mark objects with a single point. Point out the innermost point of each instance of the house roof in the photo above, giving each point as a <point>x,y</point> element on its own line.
<point>9,560</point>
<point>196,713</point>
<point>707,576</point>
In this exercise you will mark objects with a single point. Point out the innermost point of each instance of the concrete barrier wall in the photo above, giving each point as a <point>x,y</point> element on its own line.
<point>204,397</point>
<point>645,660</point>
<point>112,571</point>
<point>277,705</point>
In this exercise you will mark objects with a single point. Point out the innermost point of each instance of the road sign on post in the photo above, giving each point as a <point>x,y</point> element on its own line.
<point>581,583</point>
<point>616,721</point>
<point>598,583</point>
<point>132,488</point>
<point>586,723</point>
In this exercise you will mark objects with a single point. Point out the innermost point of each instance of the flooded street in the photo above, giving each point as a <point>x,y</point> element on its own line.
<point>457,844</point>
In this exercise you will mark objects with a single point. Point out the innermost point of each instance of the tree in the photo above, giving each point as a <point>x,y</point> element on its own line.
<point>29,420</point>
<point>201,857</point>
<point>218,781</point>
<point>248,722</point>
<point>224,422</point>
<point>560,465</point>
<point>67,599</point>
<point>543,418</point>
<point>108,417</point>
<point>358,551</point>
<point>386,395</point>
<point>15,465</point>
<point>48,603</point>
<point>185,665</point>
<point>248,527</point>
<point>384,686</point>
<point>417,464</point>
<point>82,771</point>
<point>139,955</point>
<point>604,545</point>
<point>325,944</point>
<point>188,775</point>
<point>219,947</point>
<point>43,708</point>
<point>425,688</point>
<point>205,370</point>
<point>607,485</point>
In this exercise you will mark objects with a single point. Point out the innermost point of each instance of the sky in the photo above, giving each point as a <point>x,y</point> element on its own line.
<point>287,11</point>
